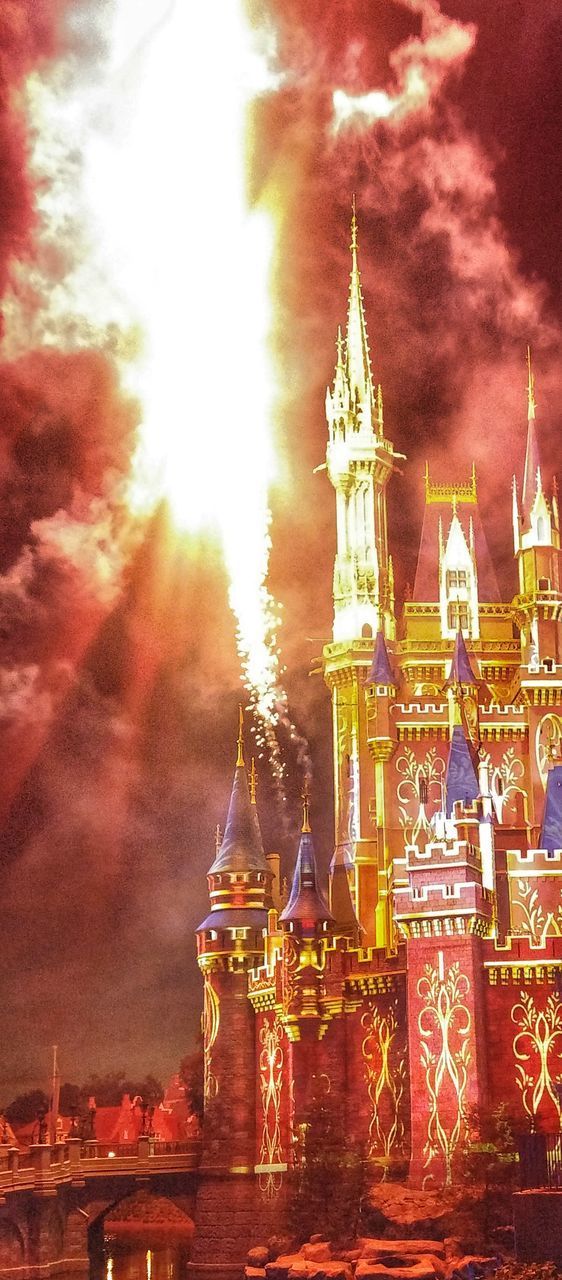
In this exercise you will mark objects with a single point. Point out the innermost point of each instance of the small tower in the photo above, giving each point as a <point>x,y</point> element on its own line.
<point>306,921</point>
<point>538,607</point>
<point>229,942</point>
<point>458,579</point>
<point>536,529</point>
<point>360,461</point>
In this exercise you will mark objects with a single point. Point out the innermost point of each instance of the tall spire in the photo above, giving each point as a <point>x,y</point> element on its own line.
<point>532,454</point>
<point>306,900</point>
<point>241,848</point>
<point>240,743</point>
<point>461,669</point>
<point>358,357</point>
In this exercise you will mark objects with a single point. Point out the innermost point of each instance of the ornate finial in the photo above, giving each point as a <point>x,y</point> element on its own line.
<point>253,781</point>
<point>305,808</point>
<point>531,402</point>
<point>240,756</point>
<point>380,406</point>
<point>339,345</point>
<point>218,838</point>
<point>353,245</point>
<point>454,503</point>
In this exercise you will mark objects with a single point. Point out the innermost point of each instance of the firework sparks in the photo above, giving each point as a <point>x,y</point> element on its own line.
<point>166,261</point>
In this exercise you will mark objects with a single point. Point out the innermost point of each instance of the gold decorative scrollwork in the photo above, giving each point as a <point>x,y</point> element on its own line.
<point>444,1024</point>
<point>537,1047</point>
<point>548,743</point>
<point>211,1022</point>
<point>271,1083</point>
<point>505,780</point>
<point>385,1073</point>
<point>419,792</point>
<point>530,917</point>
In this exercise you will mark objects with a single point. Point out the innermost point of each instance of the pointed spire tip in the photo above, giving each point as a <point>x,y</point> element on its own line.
<point>240,743</point>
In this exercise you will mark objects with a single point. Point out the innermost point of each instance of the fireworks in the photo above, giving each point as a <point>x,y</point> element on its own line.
<point>167,264</point>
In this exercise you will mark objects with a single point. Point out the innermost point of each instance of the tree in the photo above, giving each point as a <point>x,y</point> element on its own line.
<point>108,1089</point>
<point>192,1077</point>
<point>24,1108</point>
<point>328,1180</point>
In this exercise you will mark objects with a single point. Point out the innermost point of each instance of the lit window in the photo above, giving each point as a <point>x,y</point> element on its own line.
<point>457,615</point>
<point>456,578</point>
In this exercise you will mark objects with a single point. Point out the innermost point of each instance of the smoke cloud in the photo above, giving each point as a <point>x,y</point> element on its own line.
<point>118,669</point>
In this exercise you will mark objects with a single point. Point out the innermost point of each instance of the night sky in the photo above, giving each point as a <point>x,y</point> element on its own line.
<point>119,678</point>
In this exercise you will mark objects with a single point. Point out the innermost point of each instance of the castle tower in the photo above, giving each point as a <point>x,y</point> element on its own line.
<point>444,912</point>
<point>306,922</point>
<point>538,610</point>
<point>359,462</point>
<point>229,943</point>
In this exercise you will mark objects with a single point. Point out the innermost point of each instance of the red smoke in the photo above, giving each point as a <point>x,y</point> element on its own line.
<point>118,678</point>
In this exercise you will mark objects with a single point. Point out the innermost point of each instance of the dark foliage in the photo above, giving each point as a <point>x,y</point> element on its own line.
<point>328,1180</point>
<point>24,1108</point>
<point>192,1077</point>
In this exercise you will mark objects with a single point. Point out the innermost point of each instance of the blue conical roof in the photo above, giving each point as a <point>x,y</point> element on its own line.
<point>381,671</point>
<point>461,782</point>
<point>242,847</point>
<point>306,901</point>
<point>461,671</point>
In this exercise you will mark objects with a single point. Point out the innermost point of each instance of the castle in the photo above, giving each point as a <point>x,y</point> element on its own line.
<point>423,987</point>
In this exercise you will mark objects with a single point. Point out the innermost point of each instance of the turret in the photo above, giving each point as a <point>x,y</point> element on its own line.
<point>537,548</point>
<point>230,941</point>
<point>359,462</point>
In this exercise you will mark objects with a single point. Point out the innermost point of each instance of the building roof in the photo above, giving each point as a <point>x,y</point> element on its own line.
<point>461,782</point>
<point>242,846</point>
<point>235,918</point>
<point>381,671</point>
<point>341,901</point>
<point>426,584</point>
<point>461,669</point>
<point>551,835</point>
<point>306,900</point>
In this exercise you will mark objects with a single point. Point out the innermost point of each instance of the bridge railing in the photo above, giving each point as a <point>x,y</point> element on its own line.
<point>46,1166</point>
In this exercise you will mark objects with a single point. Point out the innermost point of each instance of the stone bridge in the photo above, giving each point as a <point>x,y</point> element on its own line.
<point>54,1199</point>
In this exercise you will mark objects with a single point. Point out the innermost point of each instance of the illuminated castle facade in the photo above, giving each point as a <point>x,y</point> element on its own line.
<point>422,986</point>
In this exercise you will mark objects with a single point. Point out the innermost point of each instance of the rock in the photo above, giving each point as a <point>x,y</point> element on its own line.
<point>254,1273</point>
<point>258,1256</point>
<point>379,1248</point>
<point>318,1252</point>
<point>335,1270</point>
<point>372,1269</point>
<point>350,1255</point>
<point>453,1248</point>
<point>318,1239</point>
<point>474,1267</point>
<point>278,1245</point>
<point>279,1268</point>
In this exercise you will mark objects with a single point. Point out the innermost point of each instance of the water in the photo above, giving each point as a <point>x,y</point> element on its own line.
<point>138,1262</point>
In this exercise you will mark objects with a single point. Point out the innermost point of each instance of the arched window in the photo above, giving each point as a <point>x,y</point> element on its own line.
<point>541,529</point>
<point>367,631</point>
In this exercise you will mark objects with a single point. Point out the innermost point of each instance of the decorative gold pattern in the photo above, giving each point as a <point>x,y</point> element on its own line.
<point>505,780</point>
<point>211,1022</point>
<point>414,812</point>
<point>548,743</point>
<point>385,1072</point>
<point>530,916</point>
<point>444,1023</point>
<point>271,1084</point>
<point>537,1047</point>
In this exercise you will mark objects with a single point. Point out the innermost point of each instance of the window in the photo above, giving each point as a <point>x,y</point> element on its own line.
<point>457,615</point>
<point>456,578</point>
<point>366,631</point>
